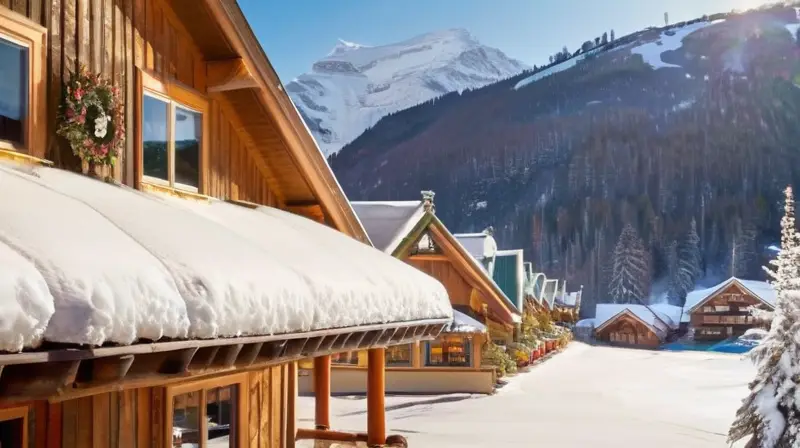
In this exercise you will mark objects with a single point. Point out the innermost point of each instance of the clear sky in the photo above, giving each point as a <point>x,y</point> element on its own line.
<point>296,33</point>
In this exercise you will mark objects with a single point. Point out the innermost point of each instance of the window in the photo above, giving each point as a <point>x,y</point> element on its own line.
<point>206,414</point>
<point>14,427</point>
<point>172,134</point>
<point>722,308</point>
<point>399,355</point>
<point>349,358</point>
<point>452,351</point>
<point>22,96</point>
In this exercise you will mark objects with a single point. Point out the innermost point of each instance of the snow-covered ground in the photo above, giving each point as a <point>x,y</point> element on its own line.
<point>584,397</point>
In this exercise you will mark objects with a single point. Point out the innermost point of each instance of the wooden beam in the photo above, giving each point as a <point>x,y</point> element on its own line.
<point>376,389</point>
<point>313,212</point>
<point>110,369</point>
<point>322,392</point>
<point>37,381</point>
<point>429,257</point>
<point>230,74</point>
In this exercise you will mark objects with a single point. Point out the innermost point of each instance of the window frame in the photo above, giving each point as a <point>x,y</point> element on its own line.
<point>408,363</point>
<point>466,344</point>
<point>19,30</point>
<point>239,380</point>
<point>17,413</point>
<point>175,95</point>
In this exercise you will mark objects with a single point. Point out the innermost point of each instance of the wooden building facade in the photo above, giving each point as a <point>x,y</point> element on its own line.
<point>723,311</point>
<point>175,61</point>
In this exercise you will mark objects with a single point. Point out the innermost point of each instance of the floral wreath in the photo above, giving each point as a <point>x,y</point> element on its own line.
<point>91,118</point>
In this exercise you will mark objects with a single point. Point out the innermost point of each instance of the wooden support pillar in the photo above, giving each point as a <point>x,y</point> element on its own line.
<point>322,392</point>
<point>291,414</point>
<point>376,389</point>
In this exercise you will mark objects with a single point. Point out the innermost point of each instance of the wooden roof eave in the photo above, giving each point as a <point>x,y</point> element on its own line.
<point>66,373</point>
<point>301,144</point>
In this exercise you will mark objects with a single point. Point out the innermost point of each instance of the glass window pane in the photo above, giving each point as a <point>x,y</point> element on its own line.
<point>399,355</point>
<point>221,417</point>
<point>345,358</point>
<point>451,351</point>
<point>154,138</point>
<point>188,132</point>
<point>13,91</point>
<point>186,420</point>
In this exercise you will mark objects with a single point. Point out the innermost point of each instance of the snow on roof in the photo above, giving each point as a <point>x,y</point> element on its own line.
<point>585,323</point>
<point>761,290</point>
<point>120,265</point>
<point>670,314</point>
<point>387,223</point>
<point>479,245</point>
<point>463,323</point>
<point>570,299</point>
<point>604,312</point>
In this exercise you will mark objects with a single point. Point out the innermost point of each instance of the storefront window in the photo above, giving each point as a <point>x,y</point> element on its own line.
<point>348,358</point>
<point>205,416</point>
<point>399,355</point>
<point>450,351</point>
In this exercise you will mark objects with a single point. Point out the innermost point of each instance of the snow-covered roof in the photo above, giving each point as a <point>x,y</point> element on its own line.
<point>479,245</point>
<point>605,312</point>
<point>85,262</point>
<point>463,323</point>
<point>760,290</point>
<point>387,223</point>
<point>670,314</point>
<point>569,299</point>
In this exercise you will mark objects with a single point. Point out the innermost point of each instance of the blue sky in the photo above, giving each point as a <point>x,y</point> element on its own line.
<point>299,32</point>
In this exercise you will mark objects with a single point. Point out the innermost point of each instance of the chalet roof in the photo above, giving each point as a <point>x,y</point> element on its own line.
<point>549,291</point>
<point>657,320</point>
<point>86,262</point>
<point>569,299</point>
<point>388,223</point>
<point>760,290</point>
<point>463,323</point>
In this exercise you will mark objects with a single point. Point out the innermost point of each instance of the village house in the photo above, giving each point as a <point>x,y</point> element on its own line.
<point>410,231</point>
<point>164,301</point>
<point>723,311</point>
<point>634,324</point>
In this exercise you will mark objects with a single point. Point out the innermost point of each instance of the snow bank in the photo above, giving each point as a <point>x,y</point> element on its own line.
<point>651,52</point>
<point>105,287</point>
<point>25,300</point>
<point>108,264</point>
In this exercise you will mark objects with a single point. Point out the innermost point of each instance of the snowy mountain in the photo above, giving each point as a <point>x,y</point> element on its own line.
<point>355,85</point>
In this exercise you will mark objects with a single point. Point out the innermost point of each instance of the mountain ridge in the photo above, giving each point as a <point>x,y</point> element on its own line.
<point>356,85</point>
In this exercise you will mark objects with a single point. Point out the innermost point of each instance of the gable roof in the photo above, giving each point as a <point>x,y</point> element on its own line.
<point>223,32</point>
<point>606,313</point>
<point>402,224</point>
<point>388,223</point>
<point>480,245</point>
<point>762,291</point>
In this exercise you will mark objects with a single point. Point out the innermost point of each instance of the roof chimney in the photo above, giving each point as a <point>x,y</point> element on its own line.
<point>427,201</point>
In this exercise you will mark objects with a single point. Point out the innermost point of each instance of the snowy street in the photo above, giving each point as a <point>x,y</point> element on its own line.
<point>583,397</point>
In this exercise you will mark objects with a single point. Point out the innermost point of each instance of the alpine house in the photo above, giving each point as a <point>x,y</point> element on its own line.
<point>163,300</point>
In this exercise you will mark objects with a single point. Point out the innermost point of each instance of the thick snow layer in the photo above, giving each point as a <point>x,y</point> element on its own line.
<point>105,287</point>
<point>479,245</point>
<point>388,223</point>
<point>25,301</point>
<point>586,396</point>
<point>355,85</point>
<point>122,265</point>
<point>651,52</point>
<point>344,282</point>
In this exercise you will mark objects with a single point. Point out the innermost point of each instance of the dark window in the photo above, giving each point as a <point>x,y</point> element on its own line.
<point>155,153</point>
<point>13,91</point>
<point>188,132</point>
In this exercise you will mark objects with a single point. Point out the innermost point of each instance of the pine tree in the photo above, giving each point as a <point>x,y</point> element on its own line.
<point>674,290</point>
<point>631,273</point>
<point>770,414</point>
<point>604,39</point>
<point>688,270</point>
<point>612,36</point>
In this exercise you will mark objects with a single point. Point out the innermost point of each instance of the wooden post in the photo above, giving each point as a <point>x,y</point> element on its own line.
<point>291,415</point>
<point>322,392</point>
<point>376,388</point>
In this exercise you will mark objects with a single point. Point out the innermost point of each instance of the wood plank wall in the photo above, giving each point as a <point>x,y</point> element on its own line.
<point>457,287</point>
<point>135,418</point>
<point>115,37</point>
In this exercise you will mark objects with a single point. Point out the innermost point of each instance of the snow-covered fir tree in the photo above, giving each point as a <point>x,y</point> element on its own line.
<point>770,414</point>
<point>674,289</point>
<point>631,274</point>
<point>687,271</point>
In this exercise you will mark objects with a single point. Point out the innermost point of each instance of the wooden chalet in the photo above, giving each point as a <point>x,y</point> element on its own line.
<point>635,324</point>
<point>410,231</point>
<point>722,311</point>
<point>169,307</point>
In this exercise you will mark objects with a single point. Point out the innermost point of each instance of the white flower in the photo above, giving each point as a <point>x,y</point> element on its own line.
<point>101,126</point>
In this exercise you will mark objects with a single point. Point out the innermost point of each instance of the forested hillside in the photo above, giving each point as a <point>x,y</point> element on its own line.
<point>691,126</point>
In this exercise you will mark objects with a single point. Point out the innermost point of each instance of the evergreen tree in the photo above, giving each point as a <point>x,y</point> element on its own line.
<point>631,273</point>
<point>770,414</point>
<point>674,289</point>
<point>604,39</point>
<point>612,36</point>
<point>688,270</point>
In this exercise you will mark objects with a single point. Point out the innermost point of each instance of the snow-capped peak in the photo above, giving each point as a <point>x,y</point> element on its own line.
<point>355,85</point>
<point>344,46</point>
